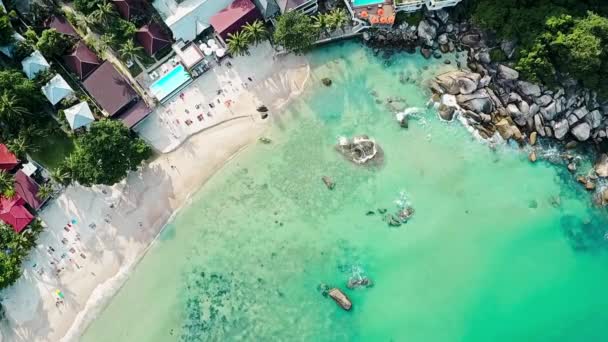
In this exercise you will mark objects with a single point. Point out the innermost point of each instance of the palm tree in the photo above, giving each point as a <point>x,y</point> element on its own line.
<point>322,22</point>
<point>45,191</point>
<point>9,192</point>
<point>237,43</point>
<point>129,51</point>
<point>6,181</point>
<point>255,31</point>
<point>103,15</point>
<point>10,110</point>
<point>61,175</point>
<point>338,18</point>
<point>19,146</point>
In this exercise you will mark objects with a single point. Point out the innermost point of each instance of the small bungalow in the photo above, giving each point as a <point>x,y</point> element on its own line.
<point>128,8</point>
<point>152,38</point>
<point>79,116</point>
<point>57,89</point>
<point>115,95</point>
<point>232,18</point>
<point>8,49</point>
<point>27,189</point>
<point>33,64</point>
<point>14,213</point>
<point>82,61</point>
<point>8,160</point>
<point>61,25</point>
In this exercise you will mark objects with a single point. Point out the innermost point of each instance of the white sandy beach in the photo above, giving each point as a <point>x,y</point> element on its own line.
<point>112,227</point>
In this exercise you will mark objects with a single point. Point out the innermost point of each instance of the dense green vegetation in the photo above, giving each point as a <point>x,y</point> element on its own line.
<point>14,248</point>
<point>6,29</point>
<point>297,32</point>
<point>104,155</point>
<point>238,43</point>
<point>555,37</point>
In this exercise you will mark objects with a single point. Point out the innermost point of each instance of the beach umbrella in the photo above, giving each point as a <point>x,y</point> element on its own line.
<point>203,46</point>
<point>220,52</point>
<point>208,52</point>
<point>211,42</point>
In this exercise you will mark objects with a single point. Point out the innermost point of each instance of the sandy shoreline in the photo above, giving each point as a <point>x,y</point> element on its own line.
<point>114,227</point>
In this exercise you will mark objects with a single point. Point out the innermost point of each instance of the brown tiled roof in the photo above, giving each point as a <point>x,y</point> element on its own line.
<point>110,89</point>
<point>152,38</point>
<point>82,61</point>
<point>60,24</point>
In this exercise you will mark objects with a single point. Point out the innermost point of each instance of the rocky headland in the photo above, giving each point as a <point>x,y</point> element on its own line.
<point>491,98</point>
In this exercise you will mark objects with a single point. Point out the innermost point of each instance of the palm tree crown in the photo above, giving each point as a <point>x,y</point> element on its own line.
<point>237,43</point>
<point>255,31</point>
<point>129,50</point>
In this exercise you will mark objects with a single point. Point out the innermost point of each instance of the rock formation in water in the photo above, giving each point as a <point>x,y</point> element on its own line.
<point>329,183</point>
<point>340,298</point>
<point>326,81</point>
<point>361,150</point>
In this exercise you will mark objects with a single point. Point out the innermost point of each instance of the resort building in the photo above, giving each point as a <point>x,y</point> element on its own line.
<point>8,49</point>
<point>129,9</point>
<point>57,89</point>
<point>431,5</point>
<point>268,8</point>
<point>8,160</point>
<point>115,95</point>
<point>232,18</point>
<point>382,12</point>
<point>81,61</point>
<point>152,38</point>
<point>79,116</point>
<point>14,213</point>
<point>305,6</point>
<point>61,25</point>
<point>27,188</point>
<point>434,5</point>
<point>187,19</point>
<point>33,64</point>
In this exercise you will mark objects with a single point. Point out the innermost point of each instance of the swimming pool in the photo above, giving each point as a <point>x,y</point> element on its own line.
<point>170,82</point>
<point>360,3</point>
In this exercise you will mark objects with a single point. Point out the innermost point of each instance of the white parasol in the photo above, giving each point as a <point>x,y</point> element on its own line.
<point>208,51</point>
<point>220,52</point>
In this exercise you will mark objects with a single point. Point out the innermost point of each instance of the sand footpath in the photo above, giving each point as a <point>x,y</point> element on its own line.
<point>95,236</point>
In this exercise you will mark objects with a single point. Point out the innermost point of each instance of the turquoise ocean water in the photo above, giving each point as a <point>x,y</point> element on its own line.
<point>488,254</point>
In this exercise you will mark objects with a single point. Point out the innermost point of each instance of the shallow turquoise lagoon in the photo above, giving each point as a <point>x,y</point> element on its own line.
<point>488,255</point>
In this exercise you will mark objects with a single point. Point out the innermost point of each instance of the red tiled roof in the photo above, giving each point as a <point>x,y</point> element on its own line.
<point>60,24</point>
<point>13,212</point>
<point>110,89</point>
<point>7,159</point>
<point>27,189</point>
<point>82,61</point>
<point>152,38</point>
<point>233,17</point>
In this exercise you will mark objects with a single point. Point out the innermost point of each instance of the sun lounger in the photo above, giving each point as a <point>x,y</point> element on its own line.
<point>200,117</point>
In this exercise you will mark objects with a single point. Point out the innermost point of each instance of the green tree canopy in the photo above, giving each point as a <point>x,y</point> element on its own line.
<point>238,43</point>
<point>295,31</point>
<point>13,248</point>
<point>105,154</point>
<point>53,43</point>
<point>86,7</point>
<point>6,29</point>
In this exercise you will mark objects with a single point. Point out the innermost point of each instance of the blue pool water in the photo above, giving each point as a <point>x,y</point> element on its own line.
<point>359,3</point>
<point>170,82</point>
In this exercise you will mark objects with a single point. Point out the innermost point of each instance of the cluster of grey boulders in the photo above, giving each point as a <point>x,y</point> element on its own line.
<point>492,97</point>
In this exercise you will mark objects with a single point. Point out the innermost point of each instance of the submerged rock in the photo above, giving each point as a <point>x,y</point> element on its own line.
<point>329,183</point>
<point>361,150</point>
<point>326,81</point>
<point>532,156</point>
<point>340,298</point>
<point>262,109</point>
<point>601,166</point>
<point>359,282</point>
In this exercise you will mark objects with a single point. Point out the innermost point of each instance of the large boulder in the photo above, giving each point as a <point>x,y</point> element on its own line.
<point>458,82</point>
<point>507,73</point>
<point>517,115</point>
<point>427,32</point>
<point>581,131</point>
<point>528,89</point>
<point>446,113</point>
<point>560,129</point>
<point>601,165</point>
<point>543,100</point>
<point>508,47</point>
<point>361,150</point>
<point>549,112</point>
<point>594,118</point>
<point>442,15</point>
<point>479,102</point>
